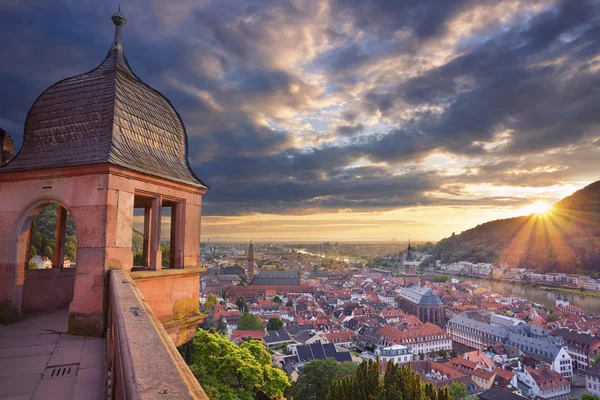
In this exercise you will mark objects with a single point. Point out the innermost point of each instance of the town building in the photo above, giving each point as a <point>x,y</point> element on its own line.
<point>441,375</point>
<point>541,382</point>
<point>277,338</point>
<point>277,278</point>
<point>472,329</point>
<point>397,353</point>
<point>496,393</point>
<point>422,302</point>
<point>592,379</point>
<point>305,353</point>
<point>425,340</point>
<point>582,347</point>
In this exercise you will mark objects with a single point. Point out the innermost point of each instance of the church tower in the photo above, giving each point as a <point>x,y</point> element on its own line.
<point>250,265</point>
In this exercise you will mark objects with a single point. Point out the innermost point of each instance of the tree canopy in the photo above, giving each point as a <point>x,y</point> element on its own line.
<point>227,371</point>
<point>316,377</point>
<point>398,383</point>
<point>458,391</point>
<point>250,322</point>
<point>211,301</point>
<point>274,324</point>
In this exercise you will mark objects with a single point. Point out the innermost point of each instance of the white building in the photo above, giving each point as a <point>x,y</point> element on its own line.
<point>397,353</point>
<point>542,383</point>
<point>591,284</point>
<point>592,380</point>
<point>41,262</point>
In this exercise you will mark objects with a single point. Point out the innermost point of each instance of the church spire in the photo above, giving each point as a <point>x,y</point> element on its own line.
<point>119,20</point>
<point>250,265</point>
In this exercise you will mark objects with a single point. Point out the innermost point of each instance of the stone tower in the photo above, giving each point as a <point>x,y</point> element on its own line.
<point>100,145</point>
<point>250,265</point>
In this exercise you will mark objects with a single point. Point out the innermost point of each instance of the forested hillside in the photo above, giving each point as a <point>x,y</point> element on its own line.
<point>43,234</point>
<point>567,239</point>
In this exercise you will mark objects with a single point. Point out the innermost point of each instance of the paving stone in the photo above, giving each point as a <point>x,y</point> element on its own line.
<point>89,384</point>
<point>15,366</point>
<point>25,351</point>
<point>94,351</point>
<point>55,389</point>
<point>22,384</point>
<point>33,340</point>
<point>66,355</point>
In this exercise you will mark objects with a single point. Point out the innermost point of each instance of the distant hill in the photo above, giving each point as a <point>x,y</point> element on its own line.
<point>565,240</point>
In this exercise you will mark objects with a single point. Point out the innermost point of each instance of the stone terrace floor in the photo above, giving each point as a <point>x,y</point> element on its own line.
<point>31,347</point>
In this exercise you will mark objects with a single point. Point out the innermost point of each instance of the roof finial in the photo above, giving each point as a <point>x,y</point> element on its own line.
<point>119,20</point>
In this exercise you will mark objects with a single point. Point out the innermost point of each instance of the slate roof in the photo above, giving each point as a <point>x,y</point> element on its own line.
<point>543,349</point>
<point>594,371</point>
<point>464,321</point>
<point>584,339</point>
<point>420,295</point>
<point>277,337</point>
<point>495,393</point>
<point>320,351</point>
<point>289,277</point>
<point>106,115</point>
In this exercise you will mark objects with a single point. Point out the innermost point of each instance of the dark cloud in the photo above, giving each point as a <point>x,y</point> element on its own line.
<point>382,84</point>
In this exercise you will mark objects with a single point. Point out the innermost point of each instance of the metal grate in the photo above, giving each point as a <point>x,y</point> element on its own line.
<point>60,371</point>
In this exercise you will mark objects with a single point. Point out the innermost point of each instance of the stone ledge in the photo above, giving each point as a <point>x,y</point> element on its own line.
<point>166,272</point>
<point>144,362</point>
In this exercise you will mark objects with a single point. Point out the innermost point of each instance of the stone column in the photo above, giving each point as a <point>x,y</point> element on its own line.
<point>61,233</point>
<point>155,253</point>
<point>177,234</point>
<point>147,230</point>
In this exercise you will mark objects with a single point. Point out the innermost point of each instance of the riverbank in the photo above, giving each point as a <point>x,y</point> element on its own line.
<point>589,293</point>
<point>547,296</point>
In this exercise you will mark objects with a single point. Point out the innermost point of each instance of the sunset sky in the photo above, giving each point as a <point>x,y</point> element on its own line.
<point>348,119</point>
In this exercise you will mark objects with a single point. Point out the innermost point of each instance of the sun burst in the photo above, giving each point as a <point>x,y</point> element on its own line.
<point>539,208</point>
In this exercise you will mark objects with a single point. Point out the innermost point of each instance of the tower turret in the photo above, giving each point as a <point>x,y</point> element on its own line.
<point>250,265</point>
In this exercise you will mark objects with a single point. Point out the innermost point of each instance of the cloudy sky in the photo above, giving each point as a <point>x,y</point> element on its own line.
<point>345,119</point>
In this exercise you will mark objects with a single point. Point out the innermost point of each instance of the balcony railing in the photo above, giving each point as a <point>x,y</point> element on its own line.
<point>142,361</point>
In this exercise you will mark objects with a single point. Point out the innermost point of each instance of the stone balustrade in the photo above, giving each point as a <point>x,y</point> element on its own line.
<point>142,361</point>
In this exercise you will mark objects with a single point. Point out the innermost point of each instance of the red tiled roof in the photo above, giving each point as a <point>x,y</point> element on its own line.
<point>546,378</point>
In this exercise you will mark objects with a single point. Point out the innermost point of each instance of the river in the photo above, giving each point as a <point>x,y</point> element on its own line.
<point>547,298</point>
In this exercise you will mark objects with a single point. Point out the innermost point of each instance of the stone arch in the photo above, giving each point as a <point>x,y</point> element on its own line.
<point>19,241</point>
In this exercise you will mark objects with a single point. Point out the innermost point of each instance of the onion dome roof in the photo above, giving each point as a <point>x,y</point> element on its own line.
<point>107,115</point>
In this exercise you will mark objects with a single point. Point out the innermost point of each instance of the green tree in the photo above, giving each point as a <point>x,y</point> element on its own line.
<point>596,360</point>
<point>241,304</point>
<point>453,353</point>
<point>458,391</point>
<point>229,372</point>
<point>317,376</point>
<point>32,265</point>
<point>211,301</point>
<point>443,353</point>
<point>250,322</point>
<point>48,251</point>
<point>289,303</point>
<point>589,396</point>
<point>32,251</point>
<point>221,326</point>
<point>278,300</point>
<point>274,324</point>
